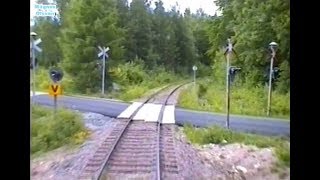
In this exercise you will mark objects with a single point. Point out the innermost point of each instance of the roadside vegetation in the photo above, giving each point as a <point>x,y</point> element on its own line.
<point>151,46</point>
<point>130,81</point>
<point>217,135</point>
<point>47,133</point>
<point>208,95</point>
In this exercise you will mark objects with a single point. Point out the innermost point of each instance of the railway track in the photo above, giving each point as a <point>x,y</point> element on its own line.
<point>137,149</point>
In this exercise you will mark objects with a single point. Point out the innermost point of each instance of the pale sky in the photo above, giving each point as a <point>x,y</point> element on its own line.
<point>208,6</point>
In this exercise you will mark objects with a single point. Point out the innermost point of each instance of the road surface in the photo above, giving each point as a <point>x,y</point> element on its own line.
<point>264,126</point>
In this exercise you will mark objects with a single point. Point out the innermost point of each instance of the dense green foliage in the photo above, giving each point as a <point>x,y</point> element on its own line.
<point>153,46</point>
<point>217,135</point>
<point>253,25</point>
<point>210,96</point>
<point>132,79</point>
<point>48,133</point>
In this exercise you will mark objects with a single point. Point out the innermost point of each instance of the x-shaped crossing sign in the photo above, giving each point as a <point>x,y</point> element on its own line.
<point>230,48</point>
<point>35,43</point>
<point>103,51</point>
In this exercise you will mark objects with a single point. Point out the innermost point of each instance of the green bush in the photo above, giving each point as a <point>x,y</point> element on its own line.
<point>280,104</point>
<point>209,96</point>
<point>283,154</point>
<point>136,80</point>
<point>43,81</point>
<point>130,73</point>
<point>203,71</point>
<point>48,133</point>
<point>161,76</point>
<point>202,90</point>
<point>189,98</point>
<point>283,85</point>
<point>132,92</point>
<point>132,77</point>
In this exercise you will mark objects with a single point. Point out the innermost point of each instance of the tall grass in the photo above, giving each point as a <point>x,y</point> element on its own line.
<point>136,81</point>
<point>209,96</point>
<point>43,81</point>
<point>48,133</point>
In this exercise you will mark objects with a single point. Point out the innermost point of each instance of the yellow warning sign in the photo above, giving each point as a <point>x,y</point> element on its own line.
<point>55,90</point>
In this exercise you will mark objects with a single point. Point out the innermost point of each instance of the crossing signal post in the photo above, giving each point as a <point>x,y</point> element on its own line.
<point>34,47</point>
<point>194,68</point>
<point>104,55</point>
<point>55,89</point>
<point>35,63</point>
<point>233,72</point>
<point>228,52</point>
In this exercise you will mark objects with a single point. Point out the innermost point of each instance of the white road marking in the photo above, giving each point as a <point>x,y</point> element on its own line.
<point>143,112</point>
<point>150,113</point>
<point>168,115</point>
<point>130,110</point>
<point>153,113</point>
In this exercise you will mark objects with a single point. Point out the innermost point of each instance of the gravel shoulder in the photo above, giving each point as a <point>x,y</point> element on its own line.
<point>230,161</point>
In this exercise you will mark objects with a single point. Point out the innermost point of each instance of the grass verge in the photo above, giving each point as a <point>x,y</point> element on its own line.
<point>217,134</point>
<point>207,96</point>
<point>48,133</point>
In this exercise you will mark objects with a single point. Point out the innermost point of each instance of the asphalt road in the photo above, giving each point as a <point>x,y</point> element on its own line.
<point>264,126</point>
